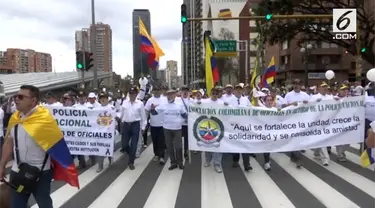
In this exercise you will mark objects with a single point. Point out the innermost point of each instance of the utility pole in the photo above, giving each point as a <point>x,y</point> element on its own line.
<point>358,58</point>
<point>93,45</point>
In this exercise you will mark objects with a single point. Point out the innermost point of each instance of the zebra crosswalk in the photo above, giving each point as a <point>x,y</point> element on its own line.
<point>151,185</point>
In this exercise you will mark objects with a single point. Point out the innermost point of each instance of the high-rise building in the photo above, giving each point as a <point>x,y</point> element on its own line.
<point>171,73</point>
<point>103,43</point>
<point>82,40</point>
<point>192,43</point>
<point>161,75</point>
<point>25,61</point>
<point>140,65</point>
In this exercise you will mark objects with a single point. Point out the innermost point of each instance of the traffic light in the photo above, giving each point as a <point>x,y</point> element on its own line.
<point>89,60</point>
<point>363,50</point>
<point>183,14</point>
<point>269,14</point>
<point>79,60</point>
<point>268,17</point>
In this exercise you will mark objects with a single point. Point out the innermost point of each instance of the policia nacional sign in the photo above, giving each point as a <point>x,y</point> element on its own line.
<point>87,131</point>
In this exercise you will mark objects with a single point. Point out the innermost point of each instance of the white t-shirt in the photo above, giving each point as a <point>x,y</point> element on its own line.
<point>81,106</point>
<point>320,97</point>
<point>93,105</point>
<point>209,100</point>
<point>241,101</point>
<point>29,151</point>
<point>184,102</point>
<point>172,115</point>
<point>298,97</point>
<point>1,122</point>
<point>280,101</point>
<point>53,104</point>
<point>227,98</point>
<point>156,120</point>
<point>370,108</point>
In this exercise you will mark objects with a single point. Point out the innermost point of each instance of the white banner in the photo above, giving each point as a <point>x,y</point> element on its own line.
<point>86,131</point>
<point>218,128</point>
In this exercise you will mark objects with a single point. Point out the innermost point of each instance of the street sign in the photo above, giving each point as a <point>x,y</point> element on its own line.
<point>225,48</point>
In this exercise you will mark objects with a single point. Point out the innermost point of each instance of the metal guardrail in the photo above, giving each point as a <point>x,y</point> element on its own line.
<point>46,80</point>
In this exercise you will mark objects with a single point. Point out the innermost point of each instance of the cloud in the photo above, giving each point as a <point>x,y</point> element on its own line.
<point>49,26</point>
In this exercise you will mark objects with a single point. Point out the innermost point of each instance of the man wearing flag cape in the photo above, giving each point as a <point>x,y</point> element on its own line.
<point>39,149</point>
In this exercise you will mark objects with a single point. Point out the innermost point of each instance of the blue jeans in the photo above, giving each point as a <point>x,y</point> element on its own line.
<point>129,139</point>
<point>41,193</point>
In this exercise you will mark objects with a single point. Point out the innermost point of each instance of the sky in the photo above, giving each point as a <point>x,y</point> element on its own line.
<point>49,26</point>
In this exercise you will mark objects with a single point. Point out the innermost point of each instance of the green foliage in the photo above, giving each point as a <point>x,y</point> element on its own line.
<point>277,31</point>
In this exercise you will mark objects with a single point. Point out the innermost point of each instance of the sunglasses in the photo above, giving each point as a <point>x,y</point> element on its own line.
<point>21,97</point>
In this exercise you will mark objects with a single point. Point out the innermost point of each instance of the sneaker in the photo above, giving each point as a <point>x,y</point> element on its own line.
<point>207,164</point>
<point>145,146</point>
<point>99,169</point>
<point>218,169</point>
<point>155,158</point>
<point>325,162</point>
<point>161,161</point>
<point>267,166</point>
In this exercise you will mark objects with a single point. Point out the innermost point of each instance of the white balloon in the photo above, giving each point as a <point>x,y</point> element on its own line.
<point>330,74</point>
<point>371,75</point>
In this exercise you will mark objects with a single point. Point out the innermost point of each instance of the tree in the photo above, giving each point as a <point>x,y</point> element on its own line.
<point>278,31</point>
<point>226,65</point>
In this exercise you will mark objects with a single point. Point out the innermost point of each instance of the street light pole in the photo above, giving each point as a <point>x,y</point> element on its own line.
<point>93,46</point>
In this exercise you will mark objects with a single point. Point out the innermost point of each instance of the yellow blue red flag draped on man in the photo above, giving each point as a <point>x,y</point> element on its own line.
<point>43,128</point>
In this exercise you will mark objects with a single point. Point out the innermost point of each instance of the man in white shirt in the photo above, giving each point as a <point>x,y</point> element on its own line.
<point>28,152</point>
<point>322,153</point>
<point>228,93</point>
<point>322,93</point>
<point>278,100</point>
<point>240,101</point>
<point>82,104</point>
<point>92,102</point>
<point>52,100</point>
<point>105,106</point>
<point>134,120</point>
<point>369,108</point>
<point>156,124</point>
<point>342,93</point>
<point>173,115</point>
<point>295,97</point>
<point>214,157</point>
<point>185,101</point>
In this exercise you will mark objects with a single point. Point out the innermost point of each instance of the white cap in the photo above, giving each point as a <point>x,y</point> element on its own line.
<point>265,89</point>
<point>91,95</point>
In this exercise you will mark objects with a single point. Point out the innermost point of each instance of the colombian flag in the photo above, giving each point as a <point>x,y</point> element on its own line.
<point>149,46</point>
<point>211,71</point>
<point>42,127</point>
<point>224,13</point>
<point>367,157</point>
<point>269,74</point>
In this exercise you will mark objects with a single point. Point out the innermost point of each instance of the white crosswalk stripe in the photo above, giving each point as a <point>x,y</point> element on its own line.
<point>151,185</point>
